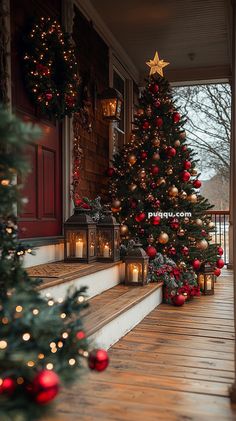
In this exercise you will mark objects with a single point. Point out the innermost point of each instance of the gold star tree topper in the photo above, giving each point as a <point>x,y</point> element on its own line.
<point>156,65</point>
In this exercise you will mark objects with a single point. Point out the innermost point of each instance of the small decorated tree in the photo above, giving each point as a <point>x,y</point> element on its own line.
<point>41,341</point>
<point>155,183</point>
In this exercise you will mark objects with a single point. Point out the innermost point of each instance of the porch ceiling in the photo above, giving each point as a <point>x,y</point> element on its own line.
<point>193,35</point>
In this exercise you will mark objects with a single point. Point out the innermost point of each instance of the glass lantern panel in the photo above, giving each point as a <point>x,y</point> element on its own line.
<point>119,107</point>
<point>104,242</point>
<point>92,243</point>
<point>117,244</point>
<point>109,107</point>
<point>134,272</point>
<point>209,282</point>
<point>145,270</point>
<point>76,243</point>
<point>201,281</point>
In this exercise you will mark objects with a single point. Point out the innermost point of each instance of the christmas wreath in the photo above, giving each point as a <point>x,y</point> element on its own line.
<point>51,69</point>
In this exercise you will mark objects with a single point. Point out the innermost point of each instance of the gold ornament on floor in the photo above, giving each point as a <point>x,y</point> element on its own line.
<point>156,65</point>
<point>124,230</point>
<point>202,244</point>
<point>173,191</point>
<point>181,232</point>
<point>156,142</point>
<point>177,143</point>
<point>198,222</point>
<point>161,181</point>
<point>192,198</point>
<point>132,187</point>
<point>163,238</point>
<point>132,159</point>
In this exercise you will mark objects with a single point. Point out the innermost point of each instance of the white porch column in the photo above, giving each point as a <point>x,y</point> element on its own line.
<point>233,172</point>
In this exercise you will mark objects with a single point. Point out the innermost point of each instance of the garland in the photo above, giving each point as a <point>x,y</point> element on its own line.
<point>51,70</point>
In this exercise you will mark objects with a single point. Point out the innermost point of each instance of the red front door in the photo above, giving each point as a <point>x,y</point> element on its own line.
<point>42,214</point>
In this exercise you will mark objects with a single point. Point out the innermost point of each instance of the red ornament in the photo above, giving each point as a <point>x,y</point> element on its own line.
<point>140,217</point>
<point>157,103</point>
<point>178,300</point>
<point>48,96</point>
<point>197,184</point>
<point>155,170</point>
<point>146,125</point>
<point>80,335</point>
<point>172,251</point>
<point>204,233</point>
<point>45,386</point>
<point>196,264</point>
<point>185,251</point>
<point>98,360</point>
<point>220,251</point>
<point>184,148</point>
<point>220,263</point>
<point>7,386</point>
<point>155,220</point>
<point>187,165</point>
<point>217,272</point>
<point>154,88</point>
<point>143,155</point>
<point>153,185</point>
<point>141,231</point>
<point>151,252</point>
<point>156,204</point>
<point>159,122</point>
<point>176,117</point>
<point>171,152</point>
<point>186,176</point>
<point>174,223</point>
<point>110,172</point>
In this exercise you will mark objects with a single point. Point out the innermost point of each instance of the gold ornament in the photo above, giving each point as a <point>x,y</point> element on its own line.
<point>183,194</point>
<point>132,187</point>
<point>169,171</point>
<point>181,232</point>
<point>182,135</point>
<point>211,225</point>
<point>156,156</point>
<point>173,191</point>
<point>132,159</point>
<point>186,220</point>
<point>192,198</point>
<point>143,185</point>
<point>202,244</point>
<point>161,181</point>
<point>198,222</point>
<point>142,173</point>
<point>132,137</point>
<point>139,112</point>
<point>177,143</point>
<point>124,230</point>
<point>156,142</point>
<point>116,204</point>
<point>163,238</point>
<point>156,65</point>
<point>194,171</point>
<point>182,265</point>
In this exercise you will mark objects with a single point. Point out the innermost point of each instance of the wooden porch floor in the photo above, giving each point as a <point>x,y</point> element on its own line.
<point>177,364</point>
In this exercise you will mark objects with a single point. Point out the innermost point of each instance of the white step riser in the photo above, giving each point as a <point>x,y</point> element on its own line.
<point>96,282</point>
<point>120,326</point>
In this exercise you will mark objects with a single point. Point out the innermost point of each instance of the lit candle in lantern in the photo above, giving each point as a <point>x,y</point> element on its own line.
<point>92,250</point>
<point>135,274</point>
<point>79,248</point>
<point>208,285</point>
<point>106,251</point>
<point>68,248</point>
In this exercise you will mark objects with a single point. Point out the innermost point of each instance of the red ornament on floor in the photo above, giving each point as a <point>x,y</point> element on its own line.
<point>178,300</point>
<point>98,360</point>
<point>151,252</point>
<point>220,263</point>
<point>45,387</point>
<point>7,386</point>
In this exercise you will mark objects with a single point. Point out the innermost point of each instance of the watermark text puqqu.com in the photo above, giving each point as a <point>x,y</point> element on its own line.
<point>170,214</point>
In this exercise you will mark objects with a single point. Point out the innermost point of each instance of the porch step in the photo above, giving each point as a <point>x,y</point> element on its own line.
<point>115,312</point>
<point>58,277</point>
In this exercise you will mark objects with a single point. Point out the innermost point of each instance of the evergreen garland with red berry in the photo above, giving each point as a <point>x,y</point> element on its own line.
<point>51,69</point>
<point>42,340</point>
<point>156,172</point>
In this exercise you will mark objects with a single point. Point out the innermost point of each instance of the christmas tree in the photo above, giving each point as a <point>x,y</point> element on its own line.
<point>155,183</point>
<point>41,341</point>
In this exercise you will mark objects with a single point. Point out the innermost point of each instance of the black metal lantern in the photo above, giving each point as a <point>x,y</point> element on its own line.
<point>80,237</point>
<point>136,266</point>
<point>206,280</point>
<point>108,238</point>
<point>111,102</point>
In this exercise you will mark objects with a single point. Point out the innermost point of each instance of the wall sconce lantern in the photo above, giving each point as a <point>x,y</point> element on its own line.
<point>111,102</point>
<point>80,237</point>
<point>206,280</point>
<point>136,266</point>
<point>108,238</point>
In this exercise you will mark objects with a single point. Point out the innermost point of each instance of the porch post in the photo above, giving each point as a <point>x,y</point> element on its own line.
<point>233,171</point>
